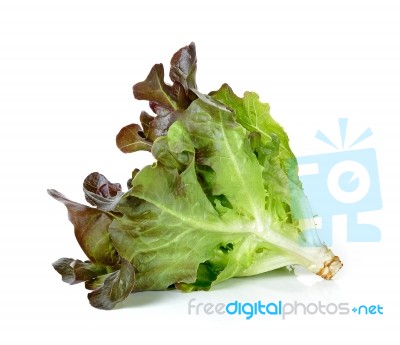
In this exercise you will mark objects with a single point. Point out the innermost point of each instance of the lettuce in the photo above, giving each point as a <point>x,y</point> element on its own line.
<point>222,199</point>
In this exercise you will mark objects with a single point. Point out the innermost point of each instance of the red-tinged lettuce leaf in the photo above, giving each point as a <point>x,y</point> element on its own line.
<point>178,93</point>
<point>131,139</point>
<point>116,287</point>
<point>160,125</point>
<point>145,120</point>
<point>154,89</point>
<point>98,184</point>
<point>100,192</point>
<point>76,271</point>
<point>159,109</point>
<point>183,75</point>
<point>91,230</point>
<point>184,66</point>
<point>183,97</point>
<point>164,100</point>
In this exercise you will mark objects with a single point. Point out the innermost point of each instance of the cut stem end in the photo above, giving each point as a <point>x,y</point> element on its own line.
<point>330,268</point>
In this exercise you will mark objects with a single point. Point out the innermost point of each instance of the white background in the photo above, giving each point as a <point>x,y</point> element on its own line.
<point>66,71</point>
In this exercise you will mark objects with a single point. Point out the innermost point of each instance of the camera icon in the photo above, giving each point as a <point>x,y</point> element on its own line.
<point>344,182</point>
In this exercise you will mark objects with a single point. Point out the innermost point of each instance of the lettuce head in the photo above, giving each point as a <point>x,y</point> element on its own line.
<point>222,198</point>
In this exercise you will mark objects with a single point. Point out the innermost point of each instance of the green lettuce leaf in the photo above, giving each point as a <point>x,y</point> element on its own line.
<point>169,227</point>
